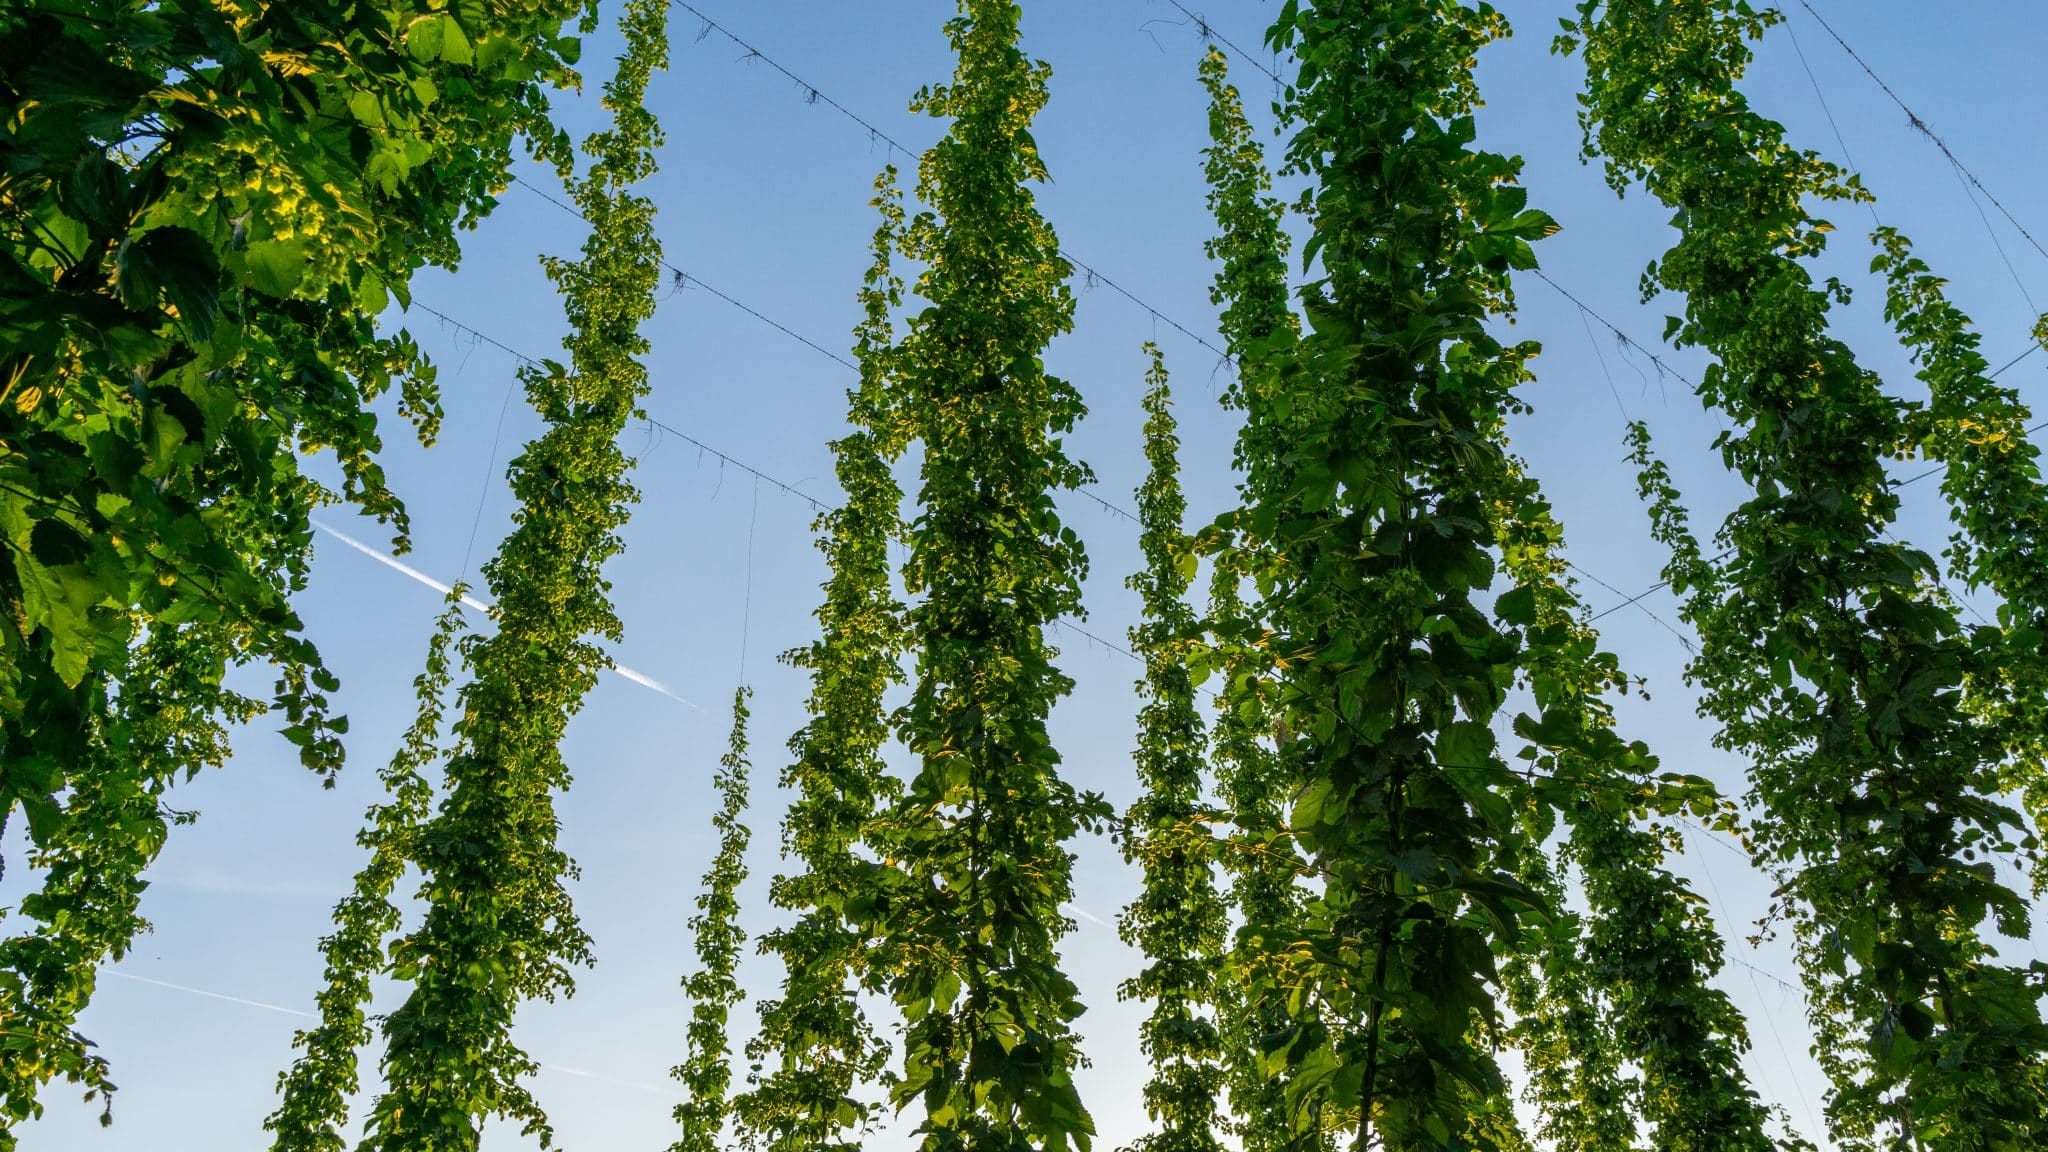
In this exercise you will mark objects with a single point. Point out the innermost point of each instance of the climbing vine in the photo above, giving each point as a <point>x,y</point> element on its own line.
<point>1178,921</point>
<point>1263,865</point>
<point>1367,548</point>
<point>1993,486</point>
<point>1829,656</point>
<point>499,927</point>
<point>820,1043</point>
<point>1572,1070</point>
<point>1630,982</point>
<point>1368,452</point>
<point>1250,288</point>
<point>976,867</point>
<point>316,1089</point>
<point>205,207</point>
<point>707,1070</point>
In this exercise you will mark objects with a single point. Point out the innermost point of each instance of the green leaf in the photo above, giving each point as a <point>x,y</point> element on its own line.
<point>1517,606</point>
<point>455,46</point>
<point>174,267</point>
<point>1534,225</point>
<point>59,600</point>
<point>425,36</point>
<point>1311,807</point>
<point>276,267</point>
<point>366,108</point>
<point>54,544</point>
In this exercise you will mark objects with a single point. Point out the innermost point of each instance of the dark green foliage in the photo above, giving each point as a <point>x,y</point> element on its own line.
<point>1829,656</point>
<point>205,206</point>
<point>1379,500</point>
<point>171,717</point>
<point>1370,447</point>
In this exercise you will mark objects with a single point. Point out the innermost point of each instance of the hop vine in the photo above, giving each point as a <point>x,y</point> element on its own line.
<point>706,1072</point>
<point>1631,981</point>
<point>1179,920</point>
<point>315,1091</point>
<point>976,864</point>
<point>816,1036</point>
<point>1260,856</point>
<point>1992,484</point>
<point>499,927</point>
<point>1830,658</point>
<point>1368,449</point>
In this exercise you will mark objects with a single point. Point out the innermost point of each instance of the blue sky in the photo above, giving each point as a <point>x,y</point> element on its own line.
<point>763,197</point>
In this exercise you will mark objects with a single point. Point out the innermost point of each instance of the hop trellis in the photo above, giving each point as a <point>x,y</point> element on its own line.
<point>1399,877</point>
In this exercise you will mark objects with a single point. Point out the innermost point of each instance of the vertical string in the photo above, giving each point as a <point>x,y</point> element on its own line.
<point>1997,244</point>
<point>1720,905</point>
<point>1964,176</point>
<point>1833,126</point>
<point>747,600</point>
<point>1602,358</point>
<point>1921,127</point>
<point>484,489</point>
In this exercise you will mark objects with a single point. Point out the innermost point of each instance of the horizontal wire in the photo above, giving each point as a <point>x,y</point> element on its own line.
<point>1660,585</point>
<point>1529,775</point>
<point>1665,624</point>
<point>1208,32</point>
<point>1524,774</point>
<point>684,279</point>
<point>1921,126</point>
<point>1625,338</point>
<point>787,489</point>
<point>811,91</point>
<point>824,507</point>
<point>817,96</point>
<point>667,428</point>
<point>1720,904</point>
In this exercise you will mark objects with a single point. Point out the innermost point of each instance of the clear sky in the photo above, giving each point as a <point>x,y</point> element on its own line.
<point>763,197</point>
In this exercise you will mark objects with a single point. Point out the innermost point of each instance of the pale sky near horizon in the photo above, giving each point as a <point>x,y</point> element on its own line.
<point>763,196</point>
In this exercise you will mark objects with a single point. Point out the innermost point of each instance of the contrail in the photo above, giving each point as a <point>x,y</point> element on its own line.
<point>471,602</point>
<point>1085,914</point>
<point>278,1008</point>
<point>583,1074</point>
<point>646,681</point>
<point>397,565</point>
